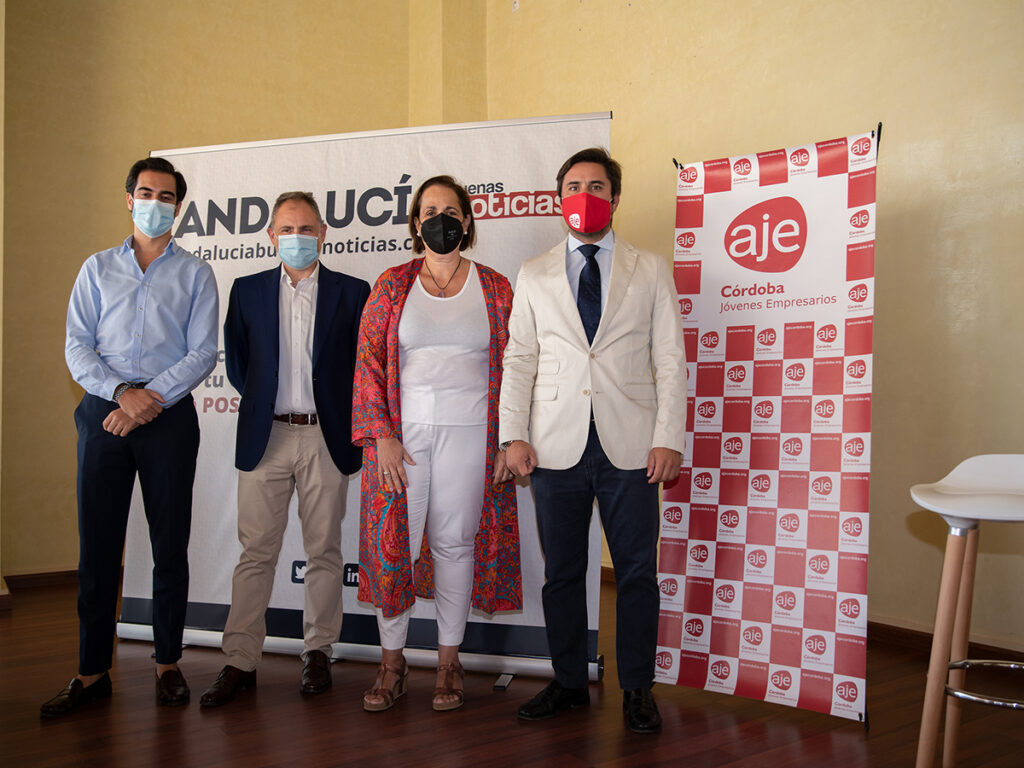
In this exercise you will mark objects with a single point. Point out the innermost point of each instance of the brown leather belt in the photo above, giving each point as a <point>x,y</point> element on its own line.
<point>301,419</point>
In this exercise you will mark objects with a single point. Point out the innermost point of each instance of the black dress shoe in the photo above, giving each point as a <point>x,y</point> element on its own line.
<point>171,689</point>
<point>229,683</point>
<point>316,673</point>
<point>75,695</point>
<point>640,711</point>
<point>552,700</point>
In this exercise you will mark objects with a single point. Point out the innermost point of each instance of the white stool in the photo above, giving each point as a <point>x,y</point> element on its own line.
<point>989,487</point>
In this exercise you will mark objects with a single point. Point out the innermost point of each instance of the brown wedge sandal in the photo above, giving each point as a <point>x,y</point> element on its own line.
<point>387,696</point>
<point>451,671</point>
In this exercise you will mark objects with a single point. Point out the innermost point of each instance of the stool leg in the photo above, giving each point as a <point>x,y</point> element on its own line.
<point>934,691</point>
<point>961,636</point>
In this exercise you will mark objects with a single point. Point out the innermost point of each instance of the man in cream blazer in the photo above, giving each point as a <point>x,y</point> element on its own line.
<point>593,405</point>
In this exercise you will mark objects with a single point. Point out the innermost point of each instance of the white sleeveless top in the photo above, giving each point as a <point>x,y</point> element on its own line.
<point>444,356</point>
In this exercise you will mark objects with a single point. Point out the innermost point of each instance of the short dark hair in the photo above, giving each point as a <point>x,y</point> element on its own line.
<point>465,203</point>
<point>302,197</point>
<point>597,155</point>
<point>160,165</point>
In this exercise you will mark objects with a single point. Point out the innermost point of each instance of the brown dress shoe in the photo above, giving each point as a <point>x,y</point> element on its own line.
<point>171,689</point>
<point>75,695</point>
<point>316,673</point>
<point>229,683</point>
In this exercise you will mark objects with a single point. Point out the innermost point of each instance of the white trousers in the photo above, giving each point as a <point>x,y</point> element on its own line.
<point>445,496</point>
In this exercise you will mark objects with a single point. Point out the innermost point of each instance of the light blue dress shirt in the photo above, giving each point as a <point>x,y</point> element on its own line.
<point>575,261</point>
<point>126,325</point>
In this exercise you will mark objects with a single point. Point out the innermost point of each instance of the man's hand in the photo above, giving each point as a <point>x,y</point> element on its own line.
<point>390,467</point>
<point>520,458</point>
<point>502,474</point>
<point>142,405</point>
<point>120,423</point>
<point>663,465</point>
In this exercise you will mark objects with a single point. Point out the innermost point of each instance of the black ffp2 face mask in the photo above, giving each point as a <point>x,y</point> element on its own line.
<point>442,233</point>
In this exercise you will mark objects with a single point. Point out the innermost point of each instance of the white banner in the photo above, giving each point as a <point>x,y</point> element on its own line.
<point>765,535</point>
<point>363,183</point>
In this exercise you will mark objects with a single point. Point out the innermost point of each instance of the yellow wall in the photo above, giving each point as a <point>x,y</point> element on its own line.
<point>693,80</point>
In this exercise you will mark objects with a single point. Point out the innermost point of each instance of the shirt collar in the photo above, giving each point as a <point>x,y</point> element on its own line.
<point>314,276</point>
<point>605,243</point>
<point>129,242</point>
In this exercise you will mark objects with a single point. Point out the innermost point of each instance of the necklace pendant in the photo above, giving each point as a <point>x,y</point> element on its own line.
<point>440,294</point>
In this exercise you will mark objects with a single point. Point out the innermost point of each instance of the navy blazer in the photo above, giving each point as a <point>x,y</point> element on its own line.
<point>251,341</point>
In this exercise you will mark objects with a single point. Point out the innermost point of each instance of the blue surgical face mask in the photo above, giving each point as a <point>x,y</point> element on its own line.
<point>153,217</point>
<point>297,251</point>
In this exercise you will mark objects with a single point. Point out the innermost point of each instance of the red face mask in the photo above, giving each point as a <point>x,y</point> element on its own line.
<point>585,213</point>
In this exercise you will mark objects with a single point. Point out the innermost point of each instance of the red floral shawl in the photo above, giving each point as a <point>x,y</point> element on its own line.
<point>386,577</point>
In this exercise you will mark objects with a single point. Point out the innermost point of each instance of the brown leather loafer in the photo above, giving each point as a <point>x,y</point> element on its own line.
<point>316,673</point>
<point>229,683</point>
<point>171,689</point>
<point>75,695</point>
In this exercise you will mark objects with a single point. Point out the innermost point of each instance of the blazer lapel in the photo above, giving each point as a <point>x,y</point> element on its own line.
<point>272,306</point>
<point>561,293</point>
<point>328,294</point>
<point>623,264</point>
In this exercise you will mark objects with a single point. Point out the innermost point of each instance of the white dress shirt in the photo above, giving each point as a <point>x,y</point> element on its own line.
<point>575,261</point>
<point>296,313</point>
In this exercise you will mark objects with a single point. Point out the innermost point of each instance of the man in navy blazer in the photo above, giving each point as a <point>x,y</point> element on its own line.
<point>290,346</point>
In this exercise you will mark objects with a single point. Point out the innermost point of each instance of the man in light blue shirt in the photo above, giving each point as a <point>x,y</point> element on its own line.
<point>141,335</point>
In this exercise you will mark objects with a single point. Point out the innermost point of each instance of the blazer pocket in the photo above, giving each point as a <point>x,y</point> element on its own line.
<point>641,391</point>
<point>547,367</point>
<point>545,392</point>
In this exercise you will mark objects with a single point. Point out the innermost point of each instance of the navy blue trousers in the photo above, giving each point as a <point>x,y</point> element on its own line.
<point>163,454</point>
<point>628,506</point>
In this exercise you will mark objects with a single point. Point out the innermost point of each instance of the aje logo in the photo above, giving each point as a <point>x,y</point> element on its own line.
<point>850,608</point>
<point>733,446</point>
<point>794,446</point>
<point>753,635</point>
<point>847,691</point>
<point>688,174</point>
<point>726,593</point>
<point>762,483</point>
<point>663,660</point>
<point>670,587</point>
<point>854,447</point>
<point>822,485</point>
<point>786,600</point>
<point>769,236</point>
<point>819,564</point>
<point>758,558</point>
<point>782,680</point>
<point>861,146</point>
<point>737,374</point>
<point>796,372</point>
<point>720,669</point>
<point>709,340</point>
<point>860,219</point>
<point>826,409</point>
<point>699,553</point>
<point>730,518</point>
<point>704,481</point>
<point>686,240</point>
<point>694,627</point>
<point>853,527</point>
<point>827,334</point>
<point>767,337</point>
<point>674,515</point>
<point>859,293</point>
<point>707,409</point>
<point>790,522</point>
<point>800,157</point>
<point>857,369</point>
<point>685,306</point>
<point>764,409</point>
<point>742,167</point>
<point>816,644</point>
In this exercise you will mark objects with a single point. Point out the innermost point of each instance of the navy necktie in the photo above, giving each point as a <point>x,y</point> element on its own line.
<point>588,298</point>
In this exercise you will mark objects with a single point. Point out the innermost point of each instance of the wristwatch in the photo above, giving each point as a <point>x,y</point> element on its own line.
<point>119,390</point>
<point>504,446</point>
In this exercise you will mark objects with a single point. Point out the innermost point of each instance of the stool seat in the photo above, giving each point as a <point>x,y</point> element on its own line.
<point>991,488</point>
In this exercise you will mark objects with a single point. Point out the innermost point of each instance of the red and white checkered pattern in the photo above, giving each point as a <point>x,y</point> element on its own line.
<point>763,566</point>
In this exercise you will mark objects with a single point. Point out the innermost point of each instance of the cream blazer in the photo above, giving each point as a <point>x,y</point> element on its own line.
<point>634,375</point>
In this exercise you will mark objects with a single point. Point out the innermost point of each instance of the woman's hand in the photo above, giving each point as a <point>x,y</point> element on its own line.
<point>502,474</point>
<point>390,468</point>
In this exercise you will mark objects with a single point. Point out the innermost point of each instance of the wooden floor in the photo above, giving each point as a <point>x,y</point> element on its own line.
<point>276,726</point>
